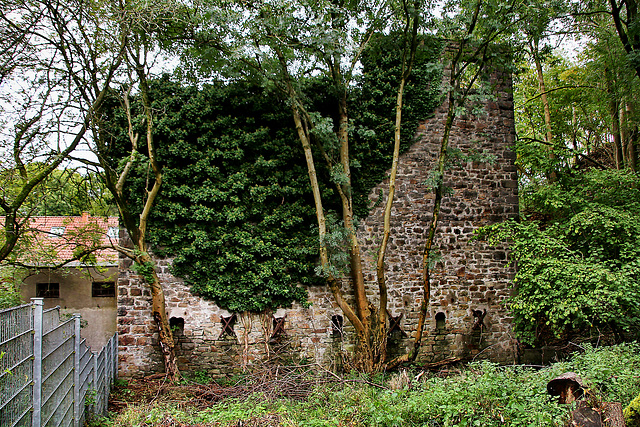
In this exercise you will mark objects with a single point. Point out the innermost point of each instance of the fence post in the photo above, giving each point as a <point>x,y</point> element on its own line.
<point>107,367</point>
<point>77,415</point>
<point>105,379</point>
<point>94,360</point>
<point>36,396</point>
<point>116,340</point>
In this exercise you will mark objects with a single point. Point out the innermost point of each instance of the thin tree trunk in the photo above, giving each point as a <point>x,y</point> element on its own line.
<point>138,229</point>
<point>433,225</point>
<point>452,99</point>
<point>321,219</point>
<point>615,132</point>
<point>629,135</point>
<point>552,175</point>
<point>574,134</point>
<point>407,65</point>
<point>614,111</point>
<point>165,337</point>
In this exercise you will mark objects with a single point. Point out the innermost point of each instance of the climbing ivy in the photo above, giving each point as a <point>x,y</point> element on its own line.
<point>374,108</point>
<point>235,209</point>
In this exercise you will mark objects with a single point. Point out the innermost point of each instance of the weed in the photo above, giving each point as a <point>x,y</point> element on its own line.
<point>483,394</point>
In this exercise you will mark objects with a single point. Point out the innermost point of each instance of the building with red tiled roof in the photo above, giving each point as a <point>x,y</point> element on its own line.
<point>56,239</point>
<point>87,285</point>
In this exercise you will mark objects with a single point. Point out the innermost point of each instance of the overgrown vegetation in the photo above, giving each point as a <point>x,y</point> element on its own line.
<point>480,394</point>
<point>10,280</point>
<point>579,263</point>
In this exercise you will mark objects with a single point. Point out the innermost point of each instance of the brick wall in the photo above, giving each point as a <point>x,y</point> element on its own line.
<point>470,275</point>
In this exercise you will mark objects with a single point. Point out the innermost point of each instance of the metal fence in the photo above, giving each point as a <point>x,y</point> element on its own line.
<point>48,374</point>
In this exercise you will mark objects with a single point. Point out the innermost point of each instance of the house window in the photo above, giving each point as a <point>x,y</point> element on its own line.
<point>48,290</point>
<point>113,232</point>
<point>103,289</point>
<point>56,232</point>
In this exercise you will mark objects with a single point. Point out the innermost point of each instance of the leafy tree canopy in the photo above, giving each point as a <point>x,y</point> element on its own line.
<point>64,192</point>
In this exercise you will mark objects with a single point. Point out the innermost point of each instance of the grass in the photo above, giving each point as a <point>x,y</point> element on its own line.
<point>480,394</point>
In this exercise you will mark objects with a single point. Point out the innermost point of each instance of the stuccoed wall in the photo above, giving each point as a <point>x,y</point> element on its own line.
<point>470,275</point>
<point>99,313</point>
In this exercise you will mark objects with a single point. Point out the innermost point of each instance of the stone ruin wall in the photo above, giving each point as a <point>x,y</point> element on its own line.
<point>470,275</point>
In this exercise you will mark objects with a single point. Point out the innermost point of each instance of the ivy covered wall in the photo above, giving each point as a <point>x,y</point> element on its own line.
<point>234,231</point>
<point>235,211</point>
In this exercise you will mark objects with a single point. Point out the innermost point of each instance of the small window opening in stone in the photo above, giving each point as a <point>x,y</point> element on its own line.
<point>177,325</point>
<point>394,325</point>
<point>440,321</point>
<point>478,322</point>
<point>278,328</point>
<point>227,326</point>
<point>336,324</point>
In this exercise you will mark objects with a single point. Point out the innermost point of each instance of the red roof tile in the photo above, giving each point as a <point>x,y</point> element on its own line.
<point>53,239</point>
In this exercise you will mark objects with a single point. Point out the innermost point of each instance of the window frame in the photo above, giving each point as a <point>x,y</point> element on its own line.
<point>51,290</point>
<point>103,291</point>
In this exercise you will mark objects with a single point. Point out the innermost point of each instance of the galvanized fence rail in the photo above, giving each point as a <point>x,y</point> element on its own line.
<point>48,374</point>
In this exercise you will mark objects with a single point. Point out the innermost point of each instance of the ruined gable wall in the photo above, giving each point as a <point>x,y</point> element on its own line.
<point>470,275</point>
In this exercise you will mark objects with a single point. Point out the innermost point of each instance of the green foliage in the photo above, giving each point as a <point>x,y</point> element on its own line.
<point>336,241</point>
<point>198,377</point>
<point>580,94</point>
<point>145,269</point>
<point>64,192</point>
<point>482,394</point>
<point>235,209</point>
<point>373,109</point>
<point>10,281</point>
<point>609,372</point>
<point>579,269</point>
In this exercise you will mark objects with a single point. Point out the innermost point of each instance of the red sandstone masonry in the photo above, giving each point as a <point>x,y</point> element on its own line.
<point>470,275</point>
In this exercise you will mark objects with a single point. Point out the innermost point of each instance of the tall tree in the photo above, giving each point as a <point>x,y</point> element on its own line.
<point>627,22</point>
<point>476,28</point>
<point>56,64</point>
<point>145,23</point>
<point>538,27</point>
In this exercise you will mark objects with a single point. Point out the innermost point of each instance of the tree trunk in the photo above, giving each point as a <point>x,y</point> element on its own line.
<point>629,137</point>
<point>431,233</point>
<point>138,229</point>
<point>614,111</point>
<point>615,132</point>
<point>612,415</point>
<point>407,65</point>
<point>365,350</point>
<point>552,175</point>
<point>165,336</point>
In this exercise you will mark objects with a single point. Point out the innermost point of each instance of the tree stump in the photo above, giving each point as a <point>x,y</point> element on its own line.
<point>612,415</point>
